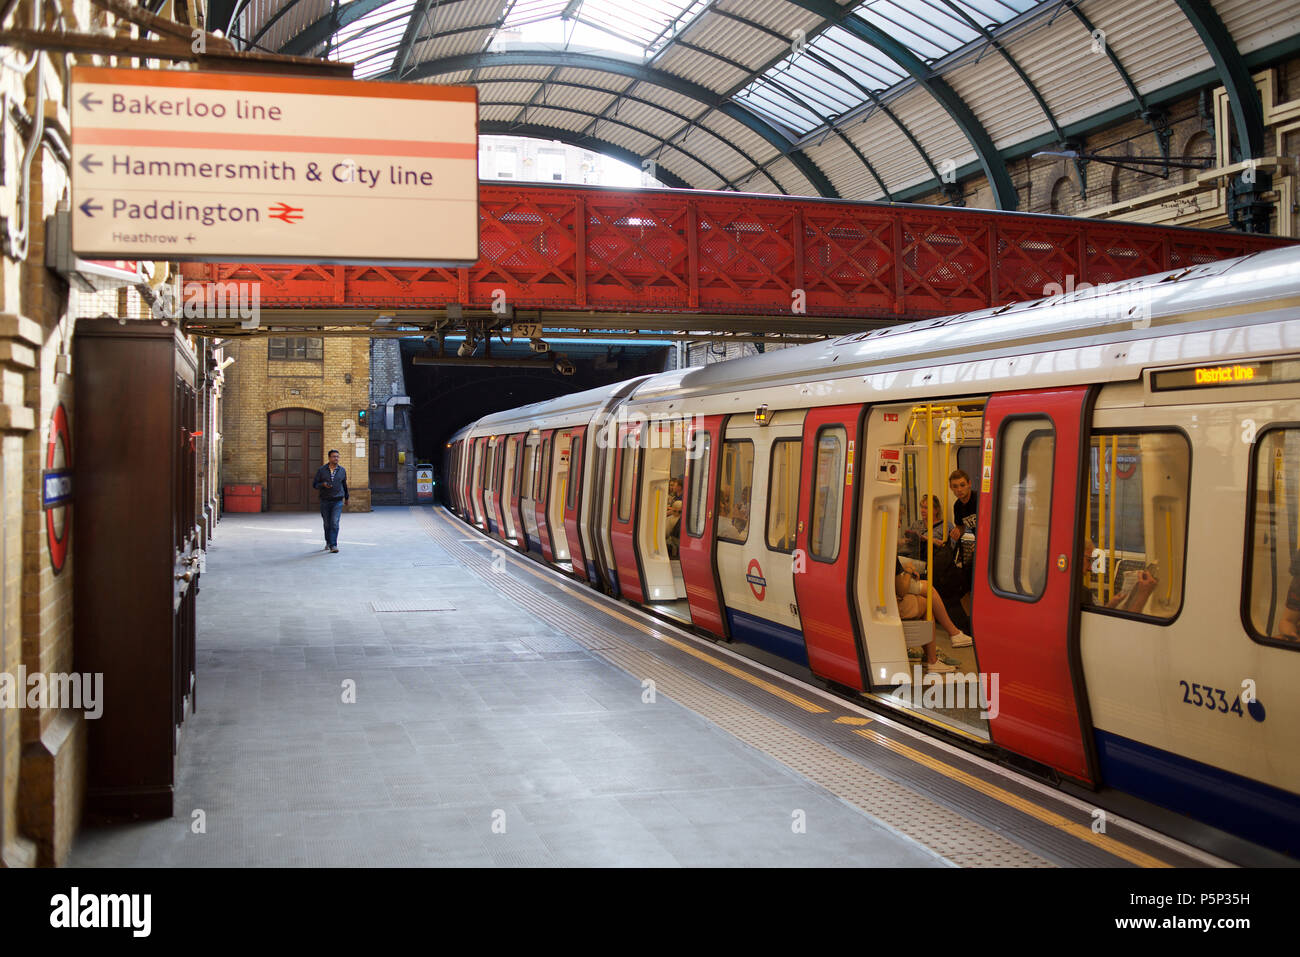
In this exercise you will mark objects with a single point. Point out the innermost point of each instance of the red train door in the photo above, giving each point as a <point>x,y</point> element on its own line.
<point>822,581</point>
<point>495,510</point>
<point>544,494</point>
<point>704,451</point>
<point>479,456</point>
<point>1027,576</point>
<point>572,503</point>
<point>516,493</point>
<point>623,514</point>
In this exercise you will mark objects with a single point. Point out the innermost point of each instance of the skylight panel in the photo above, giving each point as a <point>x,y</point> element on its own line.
<point>372,41</point>
<point>643,27</point>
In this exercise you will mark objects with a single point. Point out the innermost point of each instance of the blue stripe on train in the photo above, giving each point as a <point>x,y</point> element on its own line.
<point>1258,812</point>
<point>768,635</point>
<point>591,572</point>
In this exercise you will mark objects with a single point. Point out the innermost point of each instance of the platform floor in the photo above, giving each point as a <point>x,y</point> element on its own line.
<point>481,733</point>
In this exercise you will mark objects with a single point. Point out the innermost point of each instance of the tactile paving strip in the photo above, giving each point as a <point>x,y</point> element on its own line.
<point>424,604</point>
<point>943,831</point>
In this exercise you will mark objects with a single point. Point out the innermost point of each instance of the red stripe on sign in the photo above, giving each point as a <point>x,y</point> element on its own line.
<point>100,136</point>
<point>248,83</point>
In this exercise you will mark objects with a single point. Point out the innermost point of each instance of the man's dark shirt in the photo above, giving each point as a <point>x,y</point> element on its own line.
<point>340,480</point>
<point>961,510</point>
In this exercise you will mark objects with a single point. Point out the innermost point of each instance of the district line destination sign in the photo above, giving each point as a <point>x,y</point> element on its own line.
<point>222,167</point>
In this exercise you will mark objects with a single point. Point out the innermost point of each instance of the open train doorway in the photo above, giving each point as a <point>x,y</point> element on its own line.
<point>660,526</point>
<point>922,470</point>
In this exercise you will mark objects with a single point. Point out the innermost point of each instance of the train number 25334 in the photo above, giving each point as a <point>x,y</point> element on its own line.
<point>1205,696</point>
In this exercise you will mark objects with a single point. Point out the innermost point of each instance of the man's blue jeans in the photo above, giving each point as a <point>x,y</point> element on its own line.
<point>330,510</point>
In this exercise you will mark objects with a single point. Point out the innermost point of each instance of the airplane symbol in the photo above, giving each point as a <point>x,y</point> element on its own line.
<point>285,212</point>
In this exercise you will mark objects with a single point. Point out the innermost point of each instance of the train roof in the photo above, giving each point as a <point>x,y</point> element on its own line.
<point>1221,293</point>
<point>1150,307</point>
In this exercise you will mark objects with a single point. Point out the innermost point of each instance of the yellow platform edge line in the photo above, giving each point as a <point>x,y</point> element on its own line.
<point>1106,843</point>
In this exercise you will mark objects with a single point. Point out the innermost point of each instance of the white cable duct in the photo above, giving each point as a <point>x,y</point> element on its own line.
<point>388,409</point>
<point>16,239</point>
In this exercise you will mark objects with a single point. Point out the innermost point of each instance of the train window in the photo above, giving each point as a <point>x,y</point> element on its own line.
<point>699,485</point>
<point>736,488</point>
<point>574,464</point>
<point>526,473</point>
<point>543,465</point>
<point>783,494</point>
<point>1022,507</point>
<point>1136,524</point>
<point>627,477</point>
<point>1271,605</point>
<point>827,489</point>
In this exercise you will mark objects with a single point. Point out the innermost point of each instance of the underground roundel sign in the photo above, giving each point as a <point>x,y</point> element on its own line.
<point>56,488</point>
<point>757,583</point>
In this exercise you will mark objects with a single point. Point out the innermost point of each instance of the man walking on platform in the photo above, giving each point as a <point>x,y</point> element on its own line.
<point>332,480</point>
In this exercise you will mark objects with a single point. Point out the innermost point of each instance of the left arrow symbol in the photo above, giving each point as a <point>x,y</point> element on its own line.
<point>88,101</point>
<point>87,163</point>
<point>89,207</point>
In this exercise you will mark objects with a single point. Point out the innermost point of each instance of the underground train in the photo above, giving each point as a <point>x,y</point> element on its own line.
<point>1129,530</point>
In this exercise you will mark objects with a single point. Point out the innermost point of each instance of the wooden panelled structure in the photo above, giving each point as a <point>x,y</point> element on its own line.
<point>293,443</point>
<point>137,556</point>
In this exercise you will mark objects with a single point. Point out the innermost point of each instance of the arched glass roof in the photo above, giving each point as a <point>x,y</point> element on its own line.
<point>866,99</point>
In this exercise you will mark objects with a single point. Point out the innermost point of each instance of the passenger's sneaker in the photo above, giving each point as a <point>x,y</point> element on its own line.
<point>962,640</point>
<point>940,667</point>
<point>947,659</point>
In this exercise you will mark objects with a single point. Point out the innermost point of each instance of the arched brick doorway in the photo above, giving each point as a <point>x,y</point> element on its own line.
<point>293,443</point>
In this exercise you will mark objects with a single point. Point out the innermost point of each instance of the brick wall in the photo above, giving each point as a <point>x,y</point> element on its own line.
<point>387,380</point>
<point>337,386</point>
<point>1052,185</point>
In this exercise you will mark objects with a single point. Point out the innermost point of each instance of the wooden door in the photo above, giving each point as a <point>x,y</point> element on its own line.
<point>294,453</point>
<point>1026,578</point>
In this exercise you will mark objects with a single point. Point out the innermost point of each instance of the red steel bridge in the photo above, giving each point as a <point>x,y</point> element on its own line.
<point>580,260</point>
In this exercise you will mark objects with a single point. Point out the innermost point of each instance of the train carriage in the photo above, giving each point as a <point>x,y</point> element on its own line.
<point>1129,449</point>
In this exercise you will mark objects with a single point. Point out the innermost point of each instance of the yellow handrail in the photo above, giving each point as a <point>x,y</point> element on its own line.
<point>1101,516</point>
<point>1111,569</point>
<point>656,514</point>
<point>880,576</point>
<point>1169,554</point>
<point>929,498</point>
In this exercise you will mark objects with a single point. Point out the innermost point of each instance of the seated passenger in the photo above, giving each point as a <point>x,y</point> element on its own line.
<point>1134,599</point>
<point>951,581</point>
<point>910,592</point>
<point>673,517</point>
<point>916,535</point>
<point>962,535</point>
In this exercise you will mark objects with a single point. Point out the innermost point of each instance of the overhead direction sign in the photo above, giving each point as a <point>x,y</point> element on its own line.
<point>179,165</point>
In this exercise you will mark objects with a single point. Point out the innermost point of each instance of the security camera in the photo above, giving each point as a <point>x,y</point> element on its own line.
<point>466,349</point>
<point>565,367</point>
<point>537,345</point>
